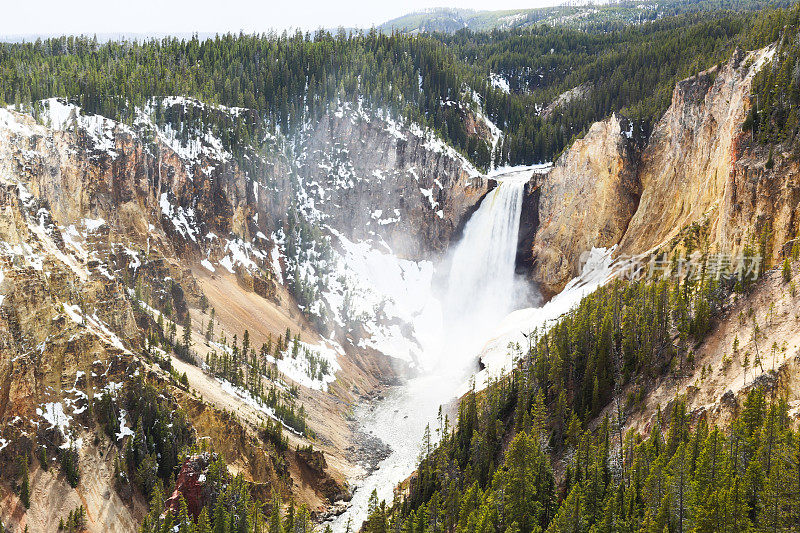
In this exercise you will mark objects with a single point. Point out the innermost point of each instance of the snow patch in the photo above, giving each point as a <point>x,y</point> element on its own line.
<point>499,82</point>
<point>61,115</point>
<point>306,369</point>
<point>495,354</point>
<point>183,220</point>
<point>381,291</point>
<point>124,430</point>
<point>207,264</point>
<point>93,225</point>
<point>428,193</point>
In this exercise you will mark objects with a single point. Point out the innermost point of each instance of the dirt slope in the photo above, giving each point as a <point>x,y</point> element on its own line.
<point>716,385</point>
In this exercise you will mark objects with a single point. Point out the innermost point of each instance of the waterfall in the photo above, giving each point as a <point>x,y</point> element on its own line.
<point>481,282</point>
<point>479,292</point>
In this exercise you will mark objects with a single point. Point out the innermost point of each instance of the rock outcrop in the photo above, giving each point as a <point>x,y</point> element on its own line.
<point>62,325</point>
<point>698,169</point>
<point>67,333</point>
<point>688,171</point>
<point>567,97</point>
<point>585,201</point>
<point>405,186</point>
<point>315,469</point>
<point>145,194</point>
<point>191,485</point>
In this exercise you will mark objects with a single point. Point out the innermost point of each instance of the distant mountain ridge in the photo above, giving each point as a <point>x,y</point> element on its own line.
<point>570,14</point>
<point>450,20</point>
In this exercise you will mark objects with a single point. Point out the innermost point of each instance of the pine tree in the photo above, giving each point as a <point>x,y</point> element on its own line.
<point>376,515</point>
<point>528,483</point>
<point>187,333</point>
<point>303,521</point>
<point>571,514</point>
<point>706,500</point>
<point>202,525</point>
<point>221,518</point>
<point>184,522</point>
<point>288,521</point>
<point>25,488</point>
<point>210,329</point>
<point>275,523</point>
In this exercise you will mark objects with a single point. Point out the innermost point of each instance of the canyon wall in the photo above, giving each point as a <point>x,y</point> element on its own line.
<point>688,170</point>
<point>698,169</point>
<point>376,179</point>
<point>585,201</point>
<point>107,228</point>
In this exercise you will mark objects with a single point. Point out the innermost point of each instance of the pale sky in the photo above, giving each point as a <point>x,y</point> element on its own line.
<point>46,17</point>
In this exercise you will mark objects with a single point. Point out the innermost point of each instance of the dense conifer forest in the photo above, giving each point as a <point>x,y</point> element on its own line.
<point>288,81</point>
<point>774,117</point>
<point>559,414</point>
<point>680,477</point>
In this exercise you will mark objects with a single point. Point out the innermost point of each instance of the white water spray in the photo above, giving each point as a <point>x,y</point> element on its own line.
<point>479,294</point>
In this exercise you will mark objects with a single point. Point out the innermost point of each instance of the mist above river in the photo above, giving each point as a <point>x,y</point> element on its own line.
<point>480,289</point>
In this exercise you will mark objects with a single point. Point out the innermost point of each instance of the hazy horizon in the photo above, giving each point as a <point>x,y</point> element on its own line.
<point>183,18</point>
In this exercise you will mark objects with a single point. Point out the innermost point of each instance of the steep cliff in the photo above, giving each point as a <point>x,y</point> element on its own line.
<point>175,190</point>
<point>585,201</point>
<point>698,169</point>
<point>373,178</point>
<point>67,339</point>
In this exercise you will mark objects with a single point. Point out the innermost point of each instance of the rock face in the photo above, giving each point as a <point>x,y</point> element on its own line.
<point>567,97</point>
<point>585,201</point>
<point>760,206</point>
<point>191,485</point>
<point>375,179</point>
<point>62,325</point>
<point>687,170</point>
<point>145,195</point>
<point>698,169</point>
<point>314,469</point>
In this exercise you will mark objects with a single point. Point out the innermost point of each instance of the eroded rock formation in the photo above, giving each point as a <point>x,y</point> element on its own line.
<point>403,186</point>
<point>698,169</point>
<point>585,201</point>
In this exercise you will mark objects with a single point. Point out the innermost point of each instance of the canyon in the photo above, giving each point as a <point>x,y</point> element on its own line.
<point>396,272</point>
